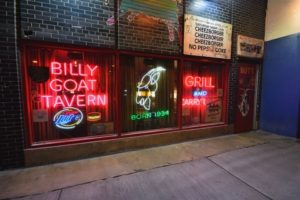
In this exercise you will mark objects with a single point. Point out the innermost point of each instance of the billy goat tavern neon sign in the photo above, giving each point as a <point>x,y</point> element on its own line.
<point>147,87</point>
<point>83,80</point>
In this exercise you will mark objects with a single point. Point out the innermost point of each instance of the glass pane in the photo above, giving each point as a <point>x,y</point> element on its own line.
<point>202,96</point>
<point>70,93</point>
<point>149,93</point>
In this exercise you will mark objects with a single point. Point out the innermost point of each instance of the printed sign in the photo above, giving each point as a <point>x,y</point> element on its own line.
<point>40,115</point>
<point>213,111</point>
<point>206,37</point>
<point>68,118</point>
<point>250,47</point>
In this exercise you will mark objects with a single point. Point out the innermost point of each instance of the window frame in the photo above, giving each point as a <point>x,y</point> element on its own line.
<point>25,44</point>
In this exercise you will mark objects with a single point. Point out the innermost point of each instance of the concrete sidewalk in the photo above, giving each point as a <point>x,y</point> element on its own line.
<point>255,165</point>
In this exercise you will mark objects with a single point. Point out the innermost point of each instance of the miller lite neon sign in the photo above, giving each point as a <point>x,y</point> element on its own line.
<point>68,118</point>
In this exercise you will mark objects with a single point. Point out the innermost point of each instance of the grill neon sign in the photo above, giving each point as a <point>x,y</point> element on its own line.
<point>198,81</point>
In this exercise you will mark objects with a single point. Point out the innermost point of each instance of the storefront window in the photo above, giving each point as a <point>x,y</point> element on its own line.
<point>70,93</point>
<point>202,98</point>
<point>149,93</point>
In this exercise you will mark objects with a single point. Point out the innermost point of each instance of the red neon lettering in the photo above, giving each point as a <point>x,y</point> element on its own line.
<point>82,85</point>
<point>80,100</point>
<point>69,103</point>
<point>91,100</point>
<point>101,99</point>
<point>80,71</point>
<point>71,85</point>
<point>71,70</point>
<point>65,69</point>
<point>55,87</point>
<point>93,83</point>
<point>198,81</point>
<point>68,87</point>
<point>47,97</point>
<point>92,69</point>
<point>189,81</point>
<point>58,101</point>
<point>194,102</point>
<point>208,82</point>
<point>56,68</point>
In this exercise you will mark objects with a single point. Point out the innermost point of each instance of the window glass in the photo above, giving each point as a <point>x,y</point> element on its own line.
<point>202,98</point>
<point>69,93</point>
<point>149,93</point>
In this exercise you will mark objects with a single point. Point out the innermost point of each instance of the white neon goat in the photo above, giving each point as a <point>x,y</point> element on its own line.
<point>148,85</point>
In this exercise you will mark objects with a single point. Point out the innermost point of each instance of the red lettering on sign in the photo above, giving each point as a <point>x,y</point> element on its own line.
<point>80,100</point>
<point>198,81</point>
<point>72,85</point>
<point>194,102</point>
<point>65,69</point>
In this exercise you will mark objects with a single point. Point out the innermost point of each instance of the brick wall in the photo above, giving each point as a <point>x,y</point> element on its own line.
<point>149,34</point>
<point>248,18</point>
<point>84,22</point>
<point>11,126</point>
<point>219,10</point>
<point>81,22</point>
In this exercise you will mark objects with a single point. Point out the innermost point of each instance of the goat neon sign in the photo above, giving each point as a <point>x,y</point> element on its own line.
<point>147,87</point>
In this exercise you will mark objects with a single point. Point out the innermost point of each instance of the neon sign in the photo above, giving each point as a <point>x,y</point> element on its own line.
<point>199,93</point>
<point>150,115</point>
<point>147,87</point>
<point>94,116</point>
<point>194,102</point>
<point>73,90</point>
<point>65,69</point>
<point>198,81</point>
<point>68,118</point>
<point>72,85</point>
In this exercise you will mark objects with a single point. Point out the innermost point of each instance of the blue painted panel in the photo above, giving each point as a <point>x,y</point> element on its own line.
<point>280,103</point>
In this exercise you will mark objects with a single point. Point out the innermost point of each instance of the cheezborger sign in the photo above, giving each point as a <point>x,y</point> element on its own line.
<point>206,37</point>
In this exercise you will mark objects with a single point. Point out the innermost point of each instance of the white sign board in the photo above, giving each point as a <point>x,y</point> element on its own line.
<point>213,112</point>
<point>206,37</point>
<point>250,47</point>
